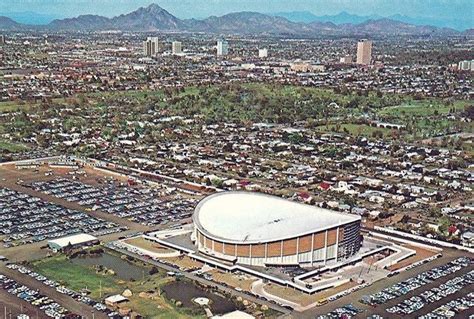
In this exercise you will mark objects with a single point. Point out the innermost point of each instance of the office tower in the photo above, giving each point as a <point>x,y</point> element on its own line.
<point>364,52</point>
<point>2,39</point>
<point>465,65</point>
<point>222,47</point>
<point>151,46</point>
<point>262,53</point>
<point>176,47</point>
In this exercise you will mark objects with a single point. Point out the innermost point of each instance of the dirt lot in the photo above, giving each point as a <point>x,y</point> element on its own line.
<point>184,262</point>
<point>243,282</point>
<point>420,255</point>
<point>148,245</point>
<point>302,298</point>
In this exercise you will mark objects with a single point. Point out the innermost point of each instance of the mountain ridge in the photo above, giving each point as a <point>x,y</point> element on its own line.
<point>155,18</point>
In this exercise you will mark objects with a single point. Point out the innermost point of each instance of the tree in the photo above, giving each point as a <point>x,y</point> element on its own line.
<point>153,271</point>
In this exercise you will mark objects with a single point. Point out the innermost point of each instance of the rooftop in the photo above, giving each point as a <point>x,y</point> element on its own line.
<point>254,217</point>
<point>73,240</point>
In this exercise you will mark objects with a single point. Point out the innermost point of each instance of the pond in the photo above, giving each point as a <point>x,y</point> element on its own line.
<point>185,292</point>
<point>123,269</point>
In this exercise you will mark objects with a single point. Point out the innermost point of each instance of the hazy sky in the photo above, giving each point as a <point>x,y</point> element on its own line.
<point>457,9</point>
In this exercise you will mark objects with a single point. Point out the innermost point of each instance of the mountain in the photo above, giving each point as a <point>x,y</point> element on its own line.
<point>155,18</point>
<point>253,22</point>
<point>389,26</point>
<point>297,16</point>
<point>8,24</point>
<point>87,22</point>
<point>345,18</point>
<point>340,18</point>
<point>31,18</point>
<point>151,18</point>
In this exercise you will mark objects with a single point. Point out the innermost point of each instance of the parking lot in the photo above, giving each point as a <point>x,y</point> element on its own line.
<point>452,308</point>
<point>147,206</point>
<point>16,306</point>
<point>99,307</point>
<point>27,219</point>
<point>347,311</point>
<point>380,309</point>
<point>31,283</point>
<point>45,304</point>
<point>420,280</point>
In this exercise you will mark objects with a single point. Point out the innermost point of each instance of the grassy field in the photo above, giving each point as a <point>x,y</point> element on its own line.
<point>354,129</point>
<point>422,108</point>
<point>11,147</point>
<point>12,106</point>
<point>78,277</point>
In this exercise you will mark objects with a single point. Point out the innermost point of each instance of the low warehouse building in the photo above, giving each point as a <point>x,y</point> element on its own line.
<point>72,241</point>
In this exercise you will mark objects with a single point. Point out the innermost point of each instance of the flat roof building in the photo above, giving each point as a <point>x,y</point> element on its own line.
<point>72,241</point>
<point>176,47</point>
<point>222,47</point>
<point>263,53</point>
<point>151,46</point>
<point>364,52</point>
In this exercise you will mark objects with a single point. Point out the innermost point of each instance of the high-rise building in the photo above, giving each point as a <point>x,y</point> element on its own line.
<point>222,47</point>
<point>262,53</point>
<point>2,39</point>
<point>176,47</point>
<point>364,52</point>
<point>466,65</point>
<point>151,46</point>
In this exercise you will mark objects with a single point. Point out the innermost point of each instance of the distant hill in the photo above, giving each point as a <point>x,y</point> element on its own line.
<point>8,24</point>
<point>83,22</point>
<point>31,18</point>
<point>155,18</point>
<point>345,18</point>
<point>340,18</point>
<point>253,22</point>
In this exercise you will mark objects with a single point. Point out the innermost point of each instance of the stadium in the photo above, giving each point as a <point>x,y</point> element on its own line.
<point>263,230</point>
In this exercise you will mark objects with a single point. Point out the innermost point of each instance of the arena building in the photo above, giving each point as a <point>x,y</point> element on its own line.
<point>263,230</point>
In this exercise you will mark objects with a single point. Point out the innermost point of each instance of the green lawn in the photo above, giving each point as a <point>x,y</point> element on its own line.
<point>422,108</point>
<point>77,277</point>
<point>354,129</point>
<point>12,147</point>
<point>12,106</point>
